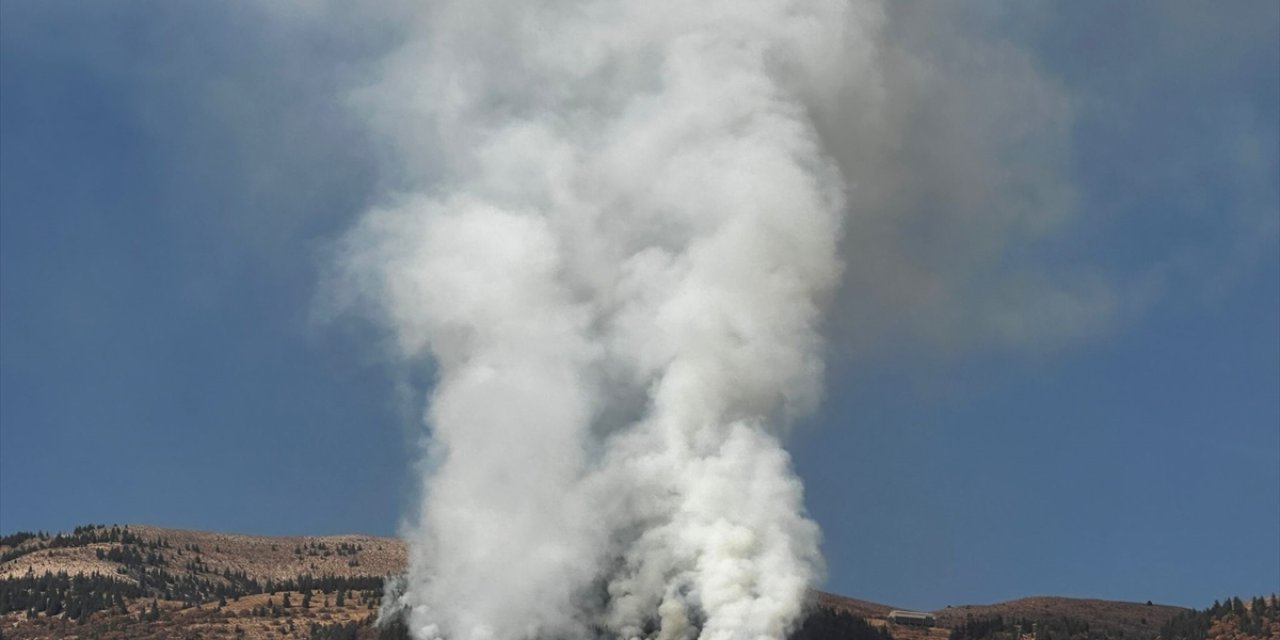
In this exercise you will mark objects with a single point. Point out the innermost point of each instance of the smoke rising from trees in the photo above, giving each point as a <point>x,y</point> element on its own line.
<point>620,278</point>
<point>614,229</point>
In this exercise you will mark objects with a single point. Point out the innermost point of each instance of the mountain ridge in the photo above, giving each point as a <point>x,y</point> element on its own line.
<point>196,583</point>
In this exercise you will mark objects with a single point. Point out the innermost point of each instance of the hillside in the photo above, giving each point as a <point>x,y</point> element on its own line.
<point>261,558</point>
<point>1122,619</point>
<point>145,582</point>
<point>138,581</point>
<point>1104,618</point>
<point>1233,619</point>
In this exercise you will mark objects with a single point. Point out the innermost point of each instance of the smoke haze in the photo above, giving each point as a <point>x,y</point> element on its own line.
<point>1061,218</point>
<point>620,278</point>
<point>615,228</point>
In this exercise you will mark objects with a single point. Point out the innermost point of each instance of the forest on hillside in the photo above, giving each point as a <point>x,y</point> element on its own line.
<point>1233,618</point>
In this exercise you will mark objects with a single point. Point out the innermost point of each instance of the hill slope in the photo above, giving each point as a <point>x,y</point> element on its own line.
<point>260,558</point>
<point>144,582</point>
<point>138,581</point>
<point>1123,619</point>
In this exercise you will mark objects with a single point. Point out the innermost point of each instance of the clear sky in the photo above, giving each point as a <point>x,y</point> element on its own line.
<point>172,175</point>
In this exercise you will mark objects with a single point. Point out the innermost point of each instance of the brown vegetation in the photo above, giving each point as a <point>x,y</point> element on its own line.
<point>218,558</point>
<point>1133,619</point>
<point>260,557</point>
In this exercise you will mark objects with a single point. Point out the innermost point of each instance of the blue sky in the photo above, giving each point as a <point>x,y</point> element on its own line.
<point>171,175</point>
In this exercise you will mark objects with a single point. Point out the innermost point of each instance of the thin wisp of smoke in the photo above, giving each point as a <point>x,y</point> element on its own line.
<point>620,276</point>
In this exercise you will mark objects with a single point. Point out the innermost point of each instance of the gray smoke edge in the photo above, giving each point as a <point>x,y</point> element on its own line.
<point>957,177</point>
<point>976,221</point>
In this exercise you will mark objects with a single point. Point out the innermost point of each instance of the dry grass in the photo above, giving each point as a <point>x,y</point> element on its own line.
<point>236,620</point>
<point>852,606</point>
<point>260,557</point>
<point>1135,619</point>
<point>73,560</point>
<point>278,558</point>
<point>263,557</point>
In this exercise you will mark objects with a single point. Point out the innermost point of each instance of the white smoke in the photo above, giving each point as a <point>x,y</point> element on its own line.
<point>618,268</point>
<point>616,226</point>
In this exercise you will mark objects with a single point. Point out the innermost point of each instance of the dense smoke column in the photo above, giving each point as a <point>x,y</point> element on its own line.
<point>619,273</point>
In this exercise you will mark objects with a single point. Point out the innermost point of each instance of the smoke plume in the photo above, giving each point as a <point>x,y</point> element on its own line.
<point>614,228</point>
<point>617,235</point>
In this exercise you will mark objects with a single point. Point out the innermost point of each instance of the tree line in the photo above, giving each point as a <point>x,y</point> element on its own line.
<point>1001,628</point>
<point>1261,618</point>
<point>75,597</point>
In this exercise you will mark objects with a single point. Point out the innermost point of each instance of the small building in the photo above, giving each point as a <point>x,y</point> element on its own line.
<point>911,618</point>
